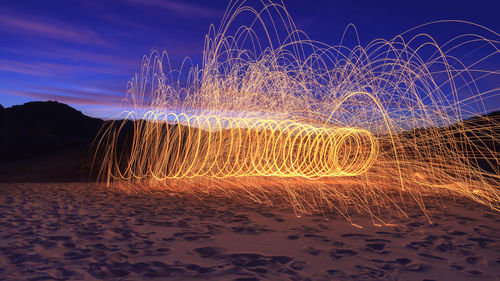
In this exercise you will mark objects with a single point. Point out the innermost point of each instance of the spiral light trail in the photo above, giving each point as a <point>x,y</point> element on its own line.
<point>192,146</point>
<point>320,127</point>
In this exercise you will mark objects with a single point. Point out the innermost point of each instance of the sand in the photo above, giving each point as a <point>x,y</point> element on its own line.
<point>81,231</point>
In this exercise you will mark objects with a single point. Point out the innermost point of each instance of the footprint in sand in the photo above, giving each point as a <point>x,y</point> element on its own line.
<point>208,252</point>
<point>336,254</point>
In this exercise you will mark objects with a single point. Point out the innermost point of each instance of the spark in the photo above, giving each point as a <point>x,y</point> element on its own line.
<point>313,126</point>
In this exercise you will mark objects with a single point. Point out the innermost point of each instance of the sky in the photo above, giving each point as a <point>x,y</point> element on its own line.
<point>83,53</point>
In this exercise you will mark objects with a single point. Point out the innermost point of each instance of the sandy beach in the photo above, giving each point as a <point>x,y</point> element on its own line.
<point>81,231</point>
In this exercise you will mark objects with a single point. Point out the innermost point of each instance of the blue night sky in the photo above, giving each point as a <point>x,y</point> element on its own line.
<point>84,52</point>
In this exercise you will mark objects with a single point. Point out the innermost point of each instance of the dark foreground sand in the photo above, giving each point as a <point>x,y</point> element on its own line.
<point>83,232</point>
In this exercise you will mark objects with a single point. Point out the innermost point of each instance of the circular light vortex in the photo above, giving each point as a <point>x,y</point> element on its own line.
<point>180,146</point>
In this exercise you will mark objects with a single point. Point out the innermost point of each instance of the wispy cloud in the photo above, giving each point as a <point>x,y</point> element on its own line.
<point>24,68</point>
<point>181,8</point>
<point>76,97</point>
<point>11,21</point>
<point>68,55</point>
<point>47,69</point>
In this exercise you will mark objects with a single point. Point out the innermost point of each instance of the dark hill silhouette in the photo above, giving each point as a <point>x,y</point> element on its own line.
<point>42,141</point>
<point>37,128</point>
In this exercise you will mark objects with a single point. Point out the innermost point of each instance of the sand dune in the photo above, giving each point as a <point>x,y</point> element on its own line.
<point>80,231</point>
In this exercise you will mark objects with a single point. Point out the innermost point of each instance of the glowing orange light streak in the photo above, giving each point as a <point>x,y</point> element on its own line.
<point>222,147</point>
<point>365,123</point>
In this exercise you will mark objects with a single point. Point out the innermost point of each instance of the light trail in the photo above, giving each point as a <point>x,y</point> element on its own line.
<point>171,146</point>
<point>320,127</point>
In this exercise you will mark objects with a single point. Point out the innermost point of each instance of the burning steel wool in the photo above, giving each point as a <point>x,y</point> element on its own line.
<point>319,127</point>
